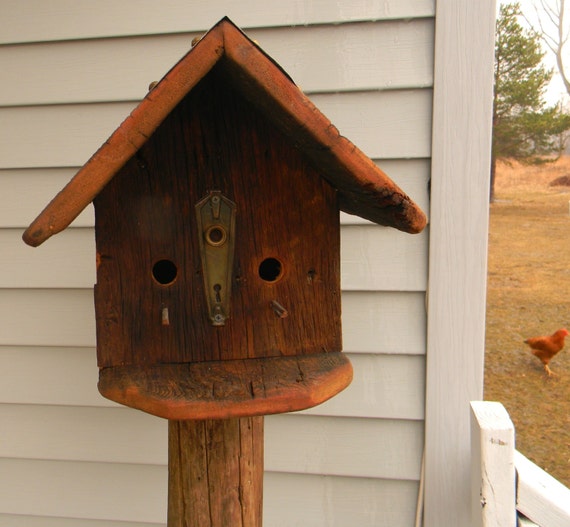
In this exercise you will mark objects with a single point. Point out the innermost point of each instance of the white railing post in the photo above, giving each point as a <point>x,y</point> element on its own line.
<point>492,466</point>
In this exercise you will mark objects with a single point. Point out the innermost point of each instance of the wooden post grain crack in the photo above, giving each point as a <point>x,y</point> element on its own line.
<point>215,472</point>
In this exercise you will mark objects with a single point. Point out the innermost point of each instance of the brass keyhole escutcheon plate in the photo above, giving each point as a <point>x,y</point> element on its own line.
<point>216,231</point>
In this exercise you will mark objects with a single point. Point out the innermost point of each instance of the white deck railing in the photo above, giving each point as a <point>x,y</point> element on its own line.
<point>504,481</point>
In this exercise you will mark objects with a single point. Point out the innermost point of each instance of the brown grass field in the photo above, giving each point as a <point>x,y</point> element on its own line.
<point>528,294</point>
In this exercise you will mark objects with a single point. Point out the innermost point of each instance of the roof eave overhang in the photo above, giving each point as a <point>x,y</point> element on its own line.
<point>364,190</point>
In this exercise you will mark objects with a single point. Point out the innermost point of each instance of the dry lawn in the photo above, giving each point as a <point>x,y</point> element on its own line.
<point>528,294</point>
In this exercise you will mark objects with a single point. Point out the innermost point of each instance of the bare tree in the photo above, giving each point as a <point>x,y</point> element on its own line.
<point>552,27</point>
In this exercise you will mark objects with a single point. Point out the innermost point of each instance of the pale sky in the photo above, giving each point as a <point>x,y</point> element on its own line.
<point>556,91</point>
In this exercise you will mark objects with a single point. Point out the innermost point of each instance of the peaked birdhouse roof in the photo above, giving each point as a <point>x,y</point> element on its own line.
<point>363,188</point>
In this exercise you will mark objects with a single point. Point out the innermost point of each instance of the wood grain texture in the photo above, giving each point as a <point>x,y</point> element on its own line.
<point>215,473</point>
<point>285,211</point>
<point>229,388</point>
<point>458,251</point>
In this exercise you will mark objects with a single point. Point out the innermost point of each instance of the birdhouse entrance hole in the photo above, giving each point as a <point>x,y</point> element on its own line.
<point>270,269</point>
<point>164,272</point>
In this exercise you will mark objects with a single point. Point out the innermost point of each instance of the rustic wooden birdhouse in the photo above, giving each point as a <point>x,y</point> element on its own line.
<point>218,263</point>
<point>217,233</point>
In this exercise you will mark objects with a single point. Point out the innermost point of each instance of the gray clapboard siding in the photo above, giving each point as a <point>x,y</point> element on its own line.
<point>68,260</point>
<point>43,317</point>
<point>13,520</point>
<point>365,250</point>
<point>385,386</point>
<point>384,322</point>
<point>319,445</point>
<point>294,443</point>
<point>293,500</point>
<point>24,192</point>
<point>69,489</point>
<point>324,58</point>
<point>383,124</point>
<point>36,21</point>
<point>40,375</point>
<point>82,491</point>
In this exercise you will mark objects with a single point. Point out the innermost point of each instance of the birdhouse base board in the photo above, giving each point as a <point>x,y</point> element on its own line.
<point>227,389</point>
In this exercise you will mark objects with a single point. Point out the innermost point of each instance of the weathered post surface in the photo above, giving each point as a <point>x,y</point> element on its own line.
<point>215,472</point>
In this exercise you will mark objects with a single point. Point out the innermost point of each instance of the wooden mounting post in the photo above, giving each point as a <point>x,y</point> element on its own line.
<point>215,472</point>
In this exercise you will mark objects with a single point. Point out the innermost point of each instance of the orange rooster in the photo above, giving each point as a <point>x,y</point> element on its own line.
<point>546,347</point>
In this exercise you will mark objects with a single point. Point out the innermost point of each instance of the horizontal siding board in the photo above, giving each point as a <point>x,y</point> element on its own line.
<point>77,492</point>
<point>25,192</point>
<point>377,258</point>
<point>293,500</point>
<point>52,376</point>
<point>36,20</point>
<point>380,448</point>
<point>42,317</point>
<point>372,322</point>
<point>384,386</point>
<point>13,520</point>
<point>383,124</point>
<point>74,433</point>
<point>56,136</point>
<point>348,57</point>
<point>103,491</point>
<point>68,260</point>
<point>384,322</point>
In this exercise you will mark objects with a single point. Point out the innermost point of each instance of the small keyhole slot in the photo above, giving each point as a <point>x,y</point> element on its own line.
<point>270,270</point>
<point>164,272</point>
<point>217,289</point>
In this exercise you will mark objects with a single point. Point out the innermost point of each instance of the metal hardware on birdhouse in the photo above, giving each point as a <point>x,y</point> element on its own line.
<point>216,228</point>
<point>279,310</point>
<point>165,317</point>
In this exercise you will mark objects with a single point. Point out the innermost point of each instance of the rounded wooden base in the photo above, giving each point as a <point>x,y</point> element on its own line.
<point>224,389</point>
